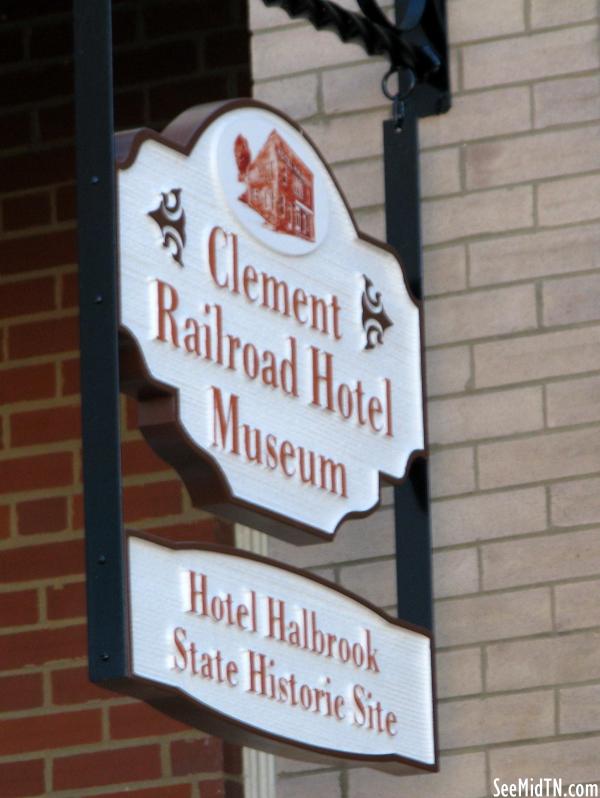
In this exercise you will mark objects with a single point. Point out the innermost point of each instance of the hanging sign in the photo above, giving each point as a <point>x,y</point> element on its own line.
<point>274,349</point>
<point>267,656</point>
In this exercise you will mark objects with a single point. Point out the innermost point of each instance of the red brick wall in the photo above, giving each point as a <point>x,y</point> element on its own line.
<point>59,734</point>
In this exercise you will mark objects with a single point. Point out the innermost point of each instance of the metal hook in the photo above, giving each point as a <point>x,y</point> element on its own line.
<point>398,109</point>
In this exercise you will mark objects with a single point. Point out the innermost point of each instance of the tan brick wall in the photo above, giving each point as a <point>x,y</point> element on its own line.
<point>511,204</point>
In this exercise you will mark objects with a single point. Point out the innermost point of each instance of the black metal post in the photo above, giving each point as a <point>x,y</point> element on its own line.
<point>403,231</point>
<point>99,339</point>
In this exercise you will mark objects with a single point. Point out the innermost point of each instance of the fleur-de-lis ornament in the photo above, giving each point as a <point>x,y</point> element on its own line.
<point>170,217</point>
<point>375,320</point>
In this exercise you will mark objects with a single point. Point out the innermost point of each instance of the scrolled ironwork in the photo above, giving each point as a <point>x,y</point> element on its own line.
<point>406,45</point>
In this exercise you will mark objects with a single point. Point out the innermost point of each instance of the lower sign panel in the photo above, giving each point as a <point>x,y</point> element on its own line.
<point>275,659</point>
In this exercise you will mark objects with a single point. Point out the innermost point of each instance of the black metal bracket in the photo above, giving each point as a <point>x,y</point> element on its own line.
<point>416,43</point>
<point>99,334</point>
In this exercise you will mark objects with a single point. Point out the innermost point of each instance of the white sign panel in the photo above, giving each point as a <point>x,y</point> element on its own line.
<point>289,340</point>
<point>289,662</point>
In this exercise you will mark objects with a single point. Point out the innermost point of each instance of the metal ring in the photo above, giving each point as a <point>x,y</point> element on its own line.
<point>400,95</point>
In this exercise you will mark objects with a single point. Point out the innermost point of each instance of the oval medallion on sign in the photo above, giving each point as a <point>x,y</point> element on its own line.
<point>272,180</point>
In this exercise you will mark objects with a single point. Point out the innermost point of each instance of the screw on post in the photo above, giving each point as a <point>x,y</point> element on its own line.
<point>406,83</point>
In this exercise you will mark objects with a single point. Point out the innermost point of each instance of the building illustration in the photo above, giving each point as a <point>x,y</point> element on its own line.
<point>279,186</point>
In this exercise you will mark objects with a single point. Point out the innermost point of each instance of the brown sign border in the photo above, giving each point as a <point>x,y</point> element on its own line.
<point>158,403</point>
<point>182,707</point>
